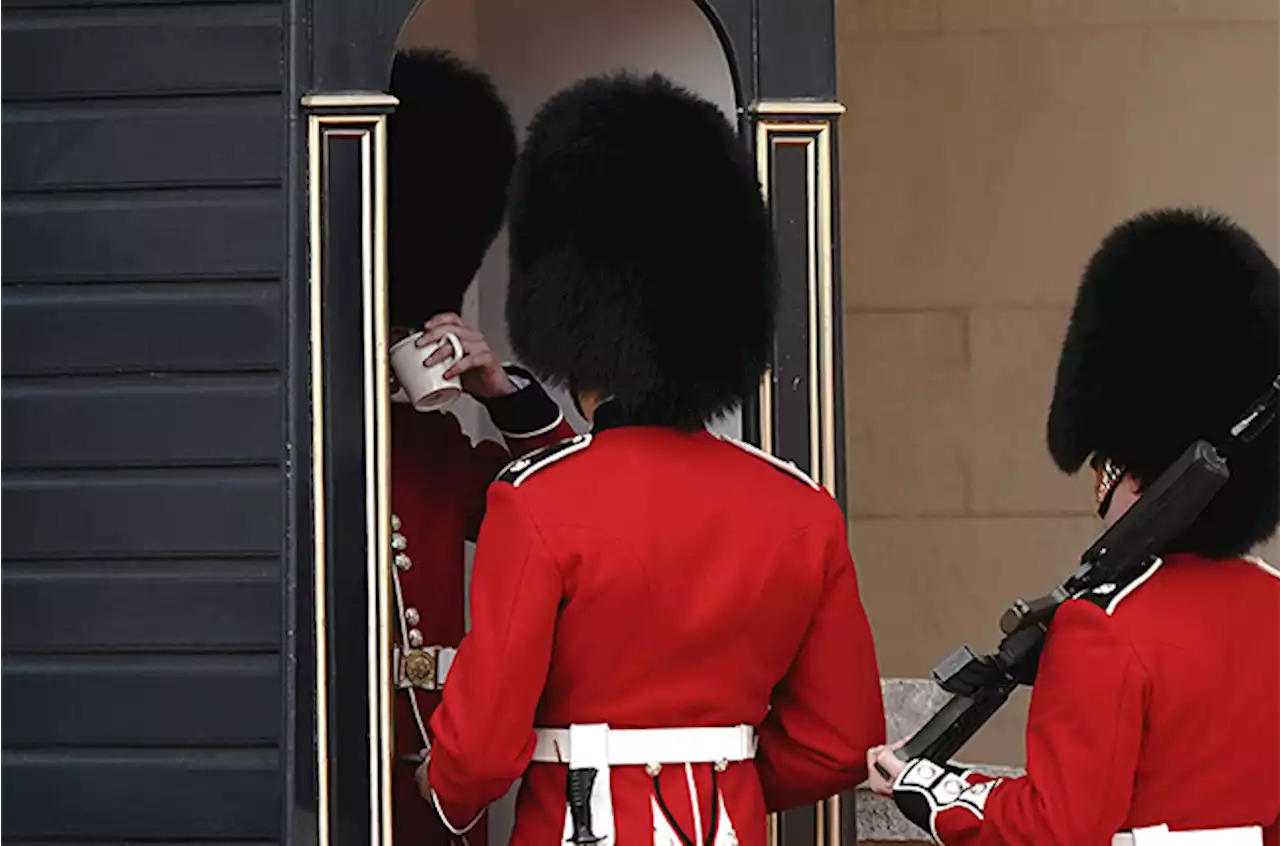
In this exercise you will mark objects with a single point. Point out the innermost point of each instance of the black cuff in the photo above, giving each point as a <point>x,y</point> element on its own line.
<point>916,809</point>
<point>924,788</point>
<point>527,413</point>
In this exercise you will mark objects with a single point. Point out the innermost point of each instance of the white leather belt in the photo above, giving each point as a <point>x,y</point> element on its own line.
<point>598,747</point>
<point>425,668</point>
<point>1160,835</point>
<point>638,747</point>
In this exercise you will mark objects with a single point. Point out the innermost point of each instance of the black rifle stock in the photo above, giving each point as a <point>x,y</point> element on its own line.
<point>981,684</point>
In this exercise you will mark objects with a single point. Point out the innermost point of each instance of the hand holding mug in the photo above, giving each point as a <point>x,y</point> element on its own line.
<point>424,382</point>
<point>480,374</point>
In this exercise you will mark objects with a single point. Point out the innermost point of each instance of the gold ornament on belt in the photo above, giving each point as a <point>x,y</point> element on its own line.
<point>419,667</point>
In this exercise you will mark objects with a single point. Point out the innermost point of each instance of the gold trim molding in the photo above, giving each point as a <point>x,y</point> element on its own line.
<point>809,126</point>
<point>336,117</point>
<point>777,108</point>
<point>774,131</point>
<point>350,100</point>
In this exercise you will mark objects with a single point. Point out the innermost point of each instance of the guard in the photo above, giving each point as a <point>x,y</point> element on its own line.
<point>1155,716</point>
<point>667,639</point>
<point>447,197</point>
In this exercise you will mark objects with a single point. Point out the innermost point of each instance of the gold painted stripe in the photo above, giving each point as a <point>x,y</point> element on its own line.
<point>372,553</point>
<point>320,587</point>
<point>764,170</point>
<point>352,100</point>
<point>797,107</point>
<point>382,528</point>
<point>826,324</point>
<point>820,284</point>
<point>370,129</point>
<point>816,136</point>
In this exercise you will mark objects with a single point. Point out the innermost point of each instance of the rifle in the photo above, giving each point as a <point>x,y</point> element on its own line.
<point>981,684</point>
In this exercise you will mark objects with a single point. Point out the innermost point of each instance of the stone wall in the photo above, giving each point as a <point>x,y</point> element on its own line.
<point>989,144</point>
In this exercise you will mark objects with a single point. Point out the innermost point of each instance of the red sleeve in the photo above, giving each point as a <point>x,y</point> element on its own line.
<point>828,710</point>
<point>483,729</point>
<point>1084,734</point>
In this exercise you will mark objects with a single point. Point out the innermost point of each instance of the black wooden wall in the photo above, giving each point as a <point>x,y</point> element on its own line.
<point>143,420</point>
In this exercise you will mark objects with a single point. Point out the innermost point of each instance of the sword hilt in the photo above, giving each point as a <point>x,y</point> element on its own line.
<point>578,789</point>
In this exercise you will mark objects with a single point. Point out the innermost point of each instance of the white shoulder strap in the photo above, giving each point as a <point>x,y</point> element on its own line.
<point>1109,595</point>
<point>785,466</point>
<point>522,468</point>
<point>1262,565</point>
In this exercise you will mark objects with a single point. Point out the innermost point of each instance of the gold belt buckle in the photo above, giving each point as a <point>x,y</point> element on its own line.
<point>418,668</point>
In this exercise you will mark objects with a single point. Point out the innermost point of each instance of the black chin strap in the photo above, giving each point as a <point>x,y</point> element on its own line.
<point>573,397</point>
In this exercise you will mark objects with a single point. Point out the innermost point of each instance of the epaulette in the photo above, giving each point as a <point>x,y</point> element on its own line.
<point>1262,565</point>
<point>1109,595</point>
<point>526,465</point>
<point>784,466</point>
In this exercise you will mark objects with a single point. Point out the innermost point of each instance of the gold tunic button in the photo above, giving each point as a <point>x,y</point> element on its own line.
<point>415,638</point>
<point>412,617</point>
<point>403,562</point>
<point>398,542</point>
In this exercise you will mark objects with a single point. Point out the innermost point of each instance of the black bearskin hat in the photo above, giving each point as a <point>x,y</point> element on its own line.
<point>642,258</point>
<point>1176,331</point>
<point>450,149</point>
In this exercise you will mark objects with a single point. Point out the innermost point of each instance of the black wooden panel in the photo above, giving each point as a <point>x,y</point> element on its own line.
<point>799,827</point>
<point>201,794</point>
<point>113,842</point>
<point>161,235</point>
<point>50,329</point>
<point>79,841</point>
<point>156,50</point>
<point>347,594</point>
<point>223,140</point>
<point>92,606</point>
<point>298,696</point>
<point>143,607</point>
<point>796,43</point>
<point>789,204</point>
<point>143,420</point>
<point>89,4</point>
<point>205,700</point>
<point>162,512</point>
<point>352,44</point>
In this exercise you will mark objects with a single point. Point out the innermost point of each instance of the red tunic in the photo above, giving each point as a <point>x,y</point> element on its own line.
<point>1157,702</point>
<point>652,578</point>
<point>438,482</point>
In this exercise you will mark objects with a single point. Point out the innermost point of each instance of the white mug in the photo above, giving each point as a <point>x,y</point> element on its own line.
<point>426,387</point>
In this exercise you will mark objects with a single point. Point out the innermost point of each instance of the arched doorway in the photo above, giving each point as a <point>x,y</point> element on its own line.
<point>731,53</point>
<point>531,51</point>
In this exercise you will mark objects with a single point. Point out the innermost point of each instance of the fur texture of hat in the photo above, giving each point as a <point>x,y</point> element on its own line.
<point>1176,330</point>
<point>642,256</point>
<point>450,150</point>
